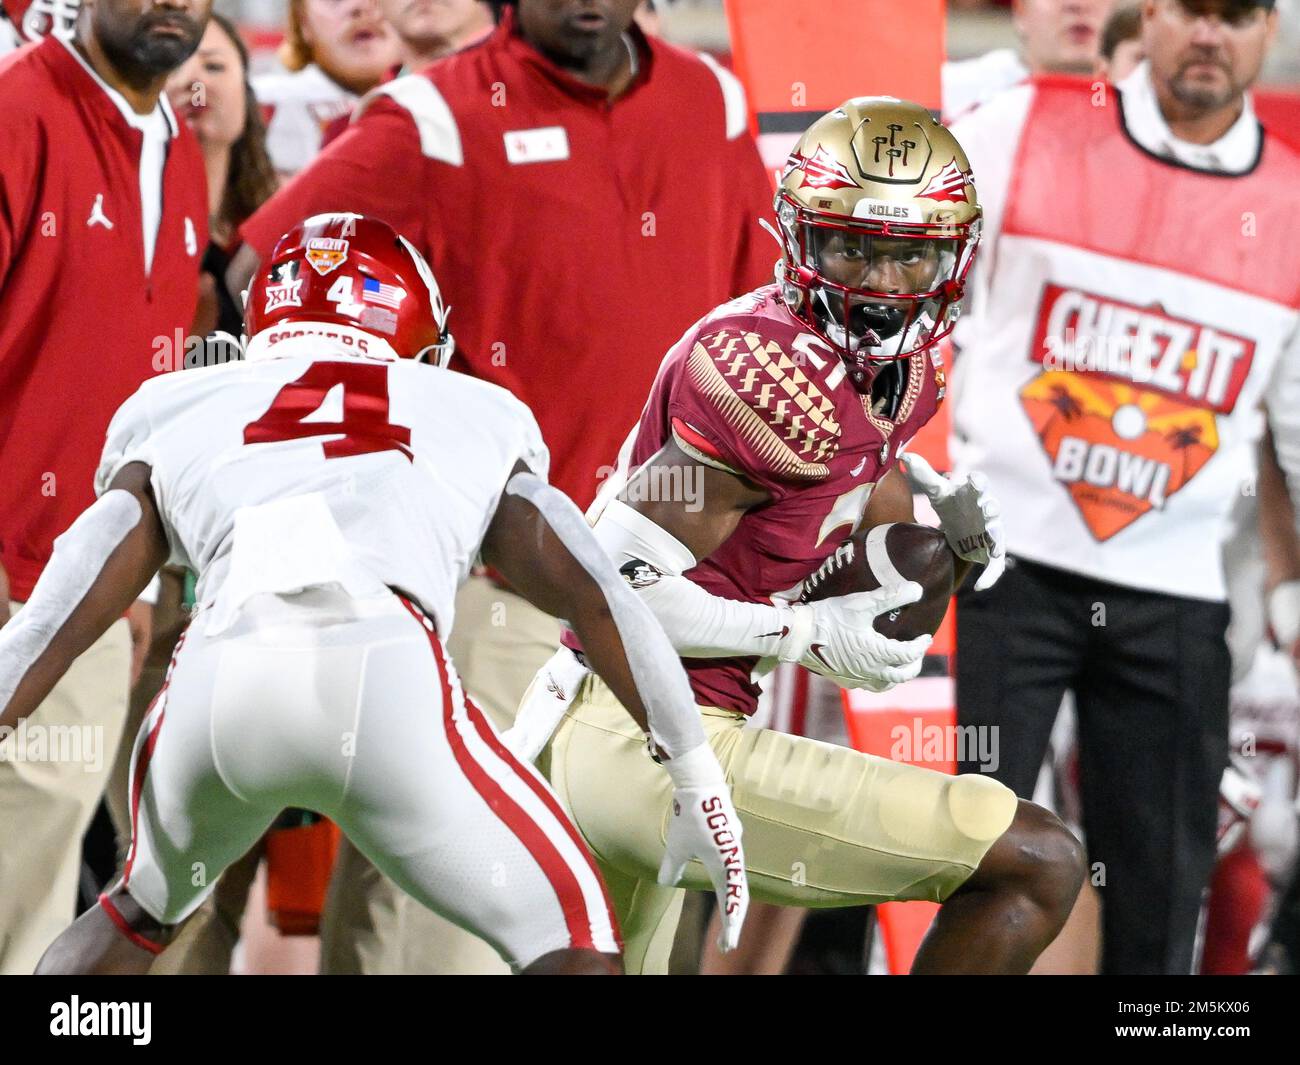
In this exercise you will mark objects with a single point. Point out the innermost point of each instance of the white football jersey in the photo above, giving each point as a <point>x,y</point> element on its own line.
<point>317,468</point>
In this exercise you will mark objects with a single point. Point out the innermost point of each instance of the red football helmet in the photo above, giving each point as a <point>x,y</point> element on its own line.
<point>350,270</point>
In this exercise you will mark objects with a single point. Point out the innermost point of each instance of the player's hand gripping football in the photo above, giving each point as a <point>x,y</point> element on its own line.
<point>837,638</point>
<point>968,515</point>
<point>703,824</point>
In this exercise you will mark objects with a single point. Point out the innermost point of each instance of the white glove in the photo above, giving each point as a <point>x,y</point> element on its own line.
<point>704,825</point>
<point>548,698</point>
<point>837,639</point>
<point>968,515</point>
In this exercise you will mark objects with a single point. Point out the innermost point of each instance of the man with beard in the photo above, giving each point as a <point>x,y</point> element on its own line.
<point>103,218</point>
<point>1142,283</point>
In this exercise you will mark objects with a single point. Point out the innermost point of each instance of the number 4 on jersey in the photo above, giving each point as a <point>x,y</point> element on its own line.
<point>364,427</point>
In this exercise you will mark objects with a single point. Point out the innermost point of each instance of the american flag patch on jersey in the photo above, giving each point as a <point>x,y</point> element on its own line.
<point>373,291</point>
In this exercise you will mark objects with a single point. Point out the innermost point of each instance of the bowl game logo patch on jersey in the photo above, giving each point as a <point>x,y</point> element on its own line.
<point>326,254</point>
<point>1126,405</point>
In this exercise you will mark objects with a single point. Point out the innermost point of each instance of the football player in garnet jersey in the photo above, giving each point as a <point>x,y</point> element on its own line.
<point>784,412</point>
<point>331,502</point>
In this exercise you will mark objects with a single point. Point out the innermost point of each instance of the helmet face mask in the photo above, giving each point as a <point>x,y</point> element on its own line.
<point>877,240</point>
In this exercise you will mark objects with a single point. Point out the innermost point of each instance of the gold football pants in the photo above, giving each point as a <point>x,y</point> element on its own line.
<point>823,825</point>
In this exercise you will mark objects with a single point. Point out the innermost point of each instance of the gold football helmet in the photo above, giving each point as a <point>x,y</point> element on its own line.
<point>878,221</point>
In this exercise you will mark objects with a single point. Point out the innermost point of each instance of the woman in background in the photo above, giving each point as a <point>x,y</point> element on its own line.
<point>212,95</point>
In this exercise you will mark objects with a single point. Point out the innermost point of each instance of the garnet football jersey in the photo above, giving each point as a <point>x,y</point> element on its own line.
<point>314,468</point>
<point>751,389</point>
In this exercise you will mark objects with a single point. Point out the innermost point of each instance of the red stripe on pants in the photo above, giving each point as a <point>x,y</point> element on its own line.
<point>556,870</point>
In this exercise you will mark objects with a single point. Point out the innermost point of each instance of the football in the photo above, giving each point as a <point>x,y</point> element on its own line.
<point>915,553</point>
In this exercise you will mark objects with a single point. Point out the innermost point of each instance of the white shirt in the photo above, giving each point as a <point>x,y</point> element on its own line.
<point>1233,153</point>
<point>302,104</point>
<point>158,128</point>
<point>993,383</point>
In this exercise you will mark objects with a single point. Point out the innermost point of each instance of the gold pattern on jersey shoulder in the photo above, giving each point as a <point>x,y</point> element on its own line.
<point>768,400</point>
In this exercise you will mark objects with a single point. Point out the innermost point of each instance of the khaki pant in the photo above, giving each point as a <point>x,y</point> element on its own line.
<point>370,926</point>
<point>47,799</point>
<point>824,825</point>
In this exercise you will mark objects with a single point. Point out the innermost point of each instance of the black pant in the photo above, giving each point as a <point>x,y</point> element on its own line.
<point>1150,674</point>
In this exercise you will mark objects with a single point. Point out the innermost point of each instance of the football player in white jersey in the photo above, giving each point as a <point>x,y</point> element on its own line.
<point>332,493</point>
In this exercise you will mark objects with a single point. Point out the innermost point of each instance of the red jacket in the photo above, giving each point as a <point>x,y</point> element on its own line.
<point>81,324</point>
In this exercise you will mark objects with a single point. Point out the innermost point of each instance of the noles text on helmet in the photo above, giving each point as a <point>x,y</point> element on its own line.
<point>878,221</point>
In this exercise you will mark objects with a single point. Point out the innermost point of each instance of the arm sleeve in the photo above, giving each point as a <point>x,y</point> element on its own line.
<point>371,169</point>
<point>670,707</point>
<point>700,625</point>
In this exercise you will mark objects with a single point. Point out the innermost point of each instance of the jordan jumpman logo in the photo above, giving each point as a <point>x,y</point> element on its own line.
<point>97,214</point>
